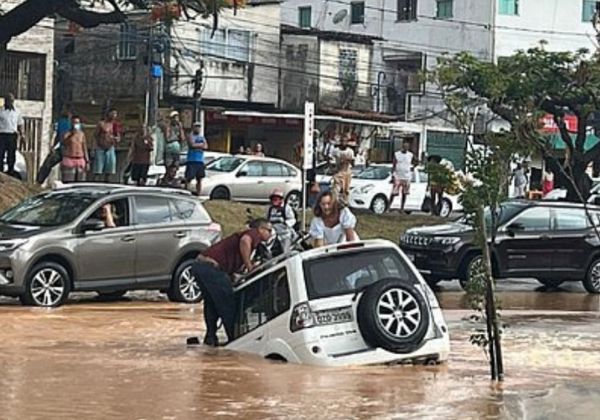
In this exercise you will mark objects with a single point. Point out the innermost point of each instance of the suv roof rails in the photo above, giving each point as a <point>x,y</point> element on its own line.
<point>113,188</point>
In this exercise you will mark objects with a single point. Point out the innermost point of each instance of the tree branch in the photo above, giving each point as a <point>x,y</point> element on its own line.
<point>88,19</point>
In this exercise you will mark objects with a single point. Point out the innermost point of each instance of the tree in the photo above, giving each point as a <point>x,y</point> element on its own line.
<point>29,12</point>
<point>526,87</point>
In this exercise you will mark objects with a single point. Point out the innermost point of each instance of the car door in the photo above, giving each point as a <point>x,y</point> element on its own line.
<point>418,190</point>
<point>158,238</point>
<point>570,240</point>
<point>249,183</point>
<point>276,175</point>
<point>107,256</point>
<point>524,245</point>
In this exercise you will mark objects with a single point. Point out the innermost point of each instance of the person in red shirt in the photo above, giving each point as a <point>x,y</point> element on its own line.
<point>214,269</point>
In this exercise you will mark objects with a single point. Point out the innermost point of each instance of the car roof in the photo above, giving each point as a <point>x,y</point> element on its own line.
<point>551,203</point>
<point>99,188</point>
<point>263,159</point>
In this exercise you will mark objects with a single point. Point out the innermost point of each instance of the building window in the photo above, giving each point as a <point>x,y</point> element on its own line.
<point>509,7</point>
<point>127,48</point>
<point>304,17</point>
<point>23,74</point>
<point>589,8</point>
<point>227,44</point>
<point>407,10</point>
<point>348,60</point>
<point>357,12</point>
<point>444,8</point>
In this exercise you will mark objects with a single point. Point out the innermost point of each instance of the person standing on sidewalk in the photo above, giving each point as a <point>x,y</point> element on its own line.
<point>194,169</point>
<point>11,129</point>
<point>214,270</point>
<point>174,136</point>
<point>402,174</point>
<point>344,157</point>
<point>141,147</point>
<point>107,137</point>
<point>75,159</point>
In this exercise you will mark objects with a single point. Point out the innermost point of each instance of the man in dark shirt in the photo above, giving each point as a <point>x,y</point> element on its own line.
<point>214,269</point>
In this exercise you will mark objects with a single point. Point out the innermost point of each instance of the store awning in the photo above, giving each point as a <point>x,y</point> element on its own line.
<point>557,142</point>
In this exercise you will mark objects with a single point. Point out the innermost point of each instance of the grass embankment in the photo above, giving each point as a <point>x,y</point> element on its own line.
<point>232,217</point>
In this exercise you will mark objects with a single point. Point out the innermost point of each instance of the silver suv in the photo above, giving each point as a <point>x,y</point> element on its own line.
<point>56,242</point>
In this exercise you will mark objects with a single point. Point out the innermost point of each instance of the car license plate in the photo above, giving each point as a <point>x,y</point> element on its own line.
<point>334,316</point>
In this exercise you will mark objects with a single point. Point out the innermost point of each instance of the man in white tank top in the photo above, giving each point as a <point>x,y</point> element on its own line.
<point>402,174</point>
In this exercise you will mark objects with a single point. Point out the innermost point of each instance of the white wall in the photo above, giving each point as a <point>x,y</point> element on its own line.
<point>39,39</point>
<point>263,22</point>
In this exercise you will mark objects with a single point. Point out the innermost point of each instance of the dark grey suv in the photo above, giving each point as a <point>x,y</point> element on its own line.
<point>550,241</point>
<point>57,242</point>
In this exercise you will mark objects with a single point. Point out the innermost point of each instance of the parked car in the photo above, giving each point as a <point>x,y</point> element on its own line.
<point>324,172</point>
<point>55,243</point>
<point>553,242</point>
<point>20,167</point>
<point>371,190</point>
<point>251,178</point>
<point>351,304</point>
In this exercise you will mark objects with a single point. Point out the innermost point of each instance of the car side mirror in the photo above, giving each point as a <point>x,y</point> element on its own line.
<point>92,225</point>
<point>514,228</point>
<point>242,173</point>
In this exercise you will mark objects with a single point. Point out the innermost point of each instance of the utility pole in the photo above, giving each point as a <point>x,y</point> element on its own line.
<point>155,76</point>
<point>198,80</point>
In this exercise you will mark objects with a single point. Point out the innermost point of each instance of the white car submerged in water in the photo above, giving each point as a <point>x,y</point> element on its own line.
<point>352,304</point>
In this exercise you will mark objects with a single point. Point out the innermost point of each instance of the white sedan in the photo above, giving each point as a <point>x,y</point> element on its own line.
<point>371,190</point>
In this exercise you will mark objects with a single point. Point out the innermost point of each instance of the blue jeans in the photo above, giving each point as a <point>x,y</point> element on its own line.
<point>105,161</point>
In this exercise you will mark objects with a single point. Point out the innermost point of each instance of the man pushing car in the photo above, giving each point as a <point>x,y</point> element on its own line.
<point>214,269</point>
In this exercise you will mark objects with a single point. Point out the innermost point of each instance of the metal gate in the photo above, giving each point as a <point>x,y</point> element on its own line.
<point>30,146</point>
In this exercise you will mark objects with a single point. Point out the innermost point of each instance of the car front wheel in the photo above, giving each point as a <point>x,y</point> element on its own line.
<point>591,282</point>
<point>185,287</point>
<point>48,285</point>
<point>220,193</point>
<point>379,205</point>
<point>474,271</point>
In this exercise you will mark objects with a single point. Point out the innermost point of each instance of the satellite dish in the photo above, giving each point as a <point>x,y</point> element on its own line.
<point>340,16</point>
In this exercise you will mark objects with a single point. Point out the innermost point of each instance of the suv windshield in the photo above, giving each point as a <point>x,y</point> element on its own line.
<point>225,164</point>
<point>375,172</point>
<point>350,272</point>
<point>52,209</point>
<point>506,211</point>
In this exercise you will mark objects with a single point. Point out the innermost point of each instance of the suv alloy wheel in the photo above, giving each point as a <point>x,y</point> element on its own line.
<point>48,285</point>
<point>184,286</point>
<point>474,270</point>
<point>591,282</point>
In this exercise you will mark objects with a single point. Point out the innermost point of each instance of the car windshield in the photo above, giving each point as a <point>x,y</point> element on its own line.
<point>351,272</point>
<point>225,164</point>
<point>374,172</point>
<point>52,209</point>
<point>505,212</point>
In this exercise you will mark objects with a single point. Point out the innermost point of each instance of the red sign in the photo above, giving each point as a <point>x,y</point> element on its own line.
<point>549,126</point>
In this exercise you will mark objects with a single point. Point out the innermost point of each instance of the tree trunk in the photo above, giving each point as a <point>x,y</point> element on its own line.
<point>578,176</point>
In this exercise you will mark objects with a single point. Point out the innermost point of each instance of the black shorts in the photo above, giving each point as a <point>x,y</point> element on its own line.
<point>194,170</point>
<point>139,171</point>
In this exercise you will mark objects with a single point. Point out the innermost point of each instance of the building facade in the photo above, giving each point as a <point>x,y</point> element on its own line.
<point>26,70</point>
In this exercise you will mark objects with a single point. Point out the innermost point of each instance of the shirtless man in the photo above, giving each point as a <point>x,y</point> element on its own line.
<point>107,137</point>
<point>75,158</point>
<point>344,157</point>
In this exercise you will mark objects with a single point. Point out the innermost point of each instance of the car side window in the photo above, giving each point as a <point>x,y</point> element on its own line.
<point>152,210</point>
<point>289,171</point>
<point>570,219</point>
<point>186,210</point>
<point>253,169</point>
<point>534,219</point>
<point>274,169</point>
<point>262,301</point>
<point>120,212</point>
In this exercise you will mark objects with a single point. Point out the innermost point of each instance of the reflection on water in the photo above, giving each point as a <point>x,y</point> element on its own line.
<point>128,360</point>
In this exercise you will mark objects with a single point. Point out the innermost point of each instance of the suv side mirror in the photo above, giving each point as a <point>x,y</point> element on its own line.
<point>242,173</point>
<point>92,225</point>
<point>514,227</point>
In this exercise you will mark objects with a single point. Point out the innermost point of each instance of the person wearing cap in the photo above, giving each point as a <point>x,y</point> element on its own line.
<point>197,144</point>
<point>174,136</point>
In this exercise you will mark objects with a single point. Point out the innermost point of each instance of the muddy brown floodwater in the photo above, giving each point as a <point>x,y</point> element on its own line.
<point>128,359</point>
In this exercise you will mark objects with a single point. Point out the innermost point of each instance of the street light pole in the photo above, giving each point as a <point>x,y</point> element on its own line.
<point>198,80</point>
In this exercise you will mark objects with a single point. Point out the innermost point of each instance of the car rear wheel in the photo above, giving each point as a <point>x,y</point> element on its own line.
<point>48,285</point>
<point>591,282</point>
<point>551,283</point>
<point>393,315</point>
<point>379,205</point>
<point>474,269</point>
<point>220,193</point>
<point>294,200</point>
<point>185,287</point>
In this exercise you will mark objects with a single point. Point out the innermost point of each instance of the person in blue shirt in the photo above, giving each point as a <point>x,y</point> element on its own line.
<point>197,144</point>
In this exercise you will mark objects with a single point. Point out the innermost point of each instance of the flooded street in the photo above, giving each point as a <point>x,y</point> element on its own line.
<point>128,359</point>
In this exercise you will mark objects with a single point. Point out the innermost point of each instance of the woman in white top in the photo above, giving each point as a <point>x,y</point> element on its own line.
<point>332,224</point>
